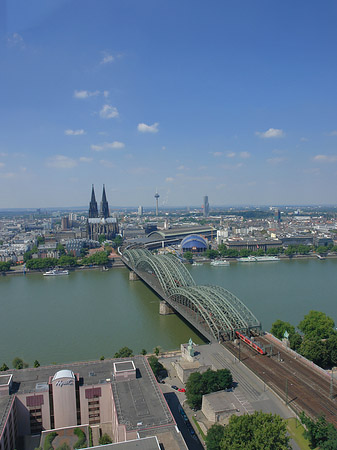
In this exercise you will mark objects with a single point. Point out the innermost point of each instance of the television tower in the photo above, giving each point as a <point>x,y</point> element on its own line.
<point>156,197</point>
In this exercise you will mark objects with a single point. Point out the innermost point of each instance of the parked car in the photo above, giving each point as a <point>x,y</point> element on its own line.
<point>174,387</point>
<point>182,390</point>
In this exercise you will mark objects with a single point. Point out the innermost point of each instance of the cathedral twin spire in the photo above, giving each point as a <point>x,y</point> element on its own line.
<point>104,206</point>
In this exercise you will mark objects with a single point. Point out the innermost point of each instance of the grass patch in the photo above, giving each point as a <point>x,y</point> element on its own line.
<point>296,430</point>
<point>199,429</point>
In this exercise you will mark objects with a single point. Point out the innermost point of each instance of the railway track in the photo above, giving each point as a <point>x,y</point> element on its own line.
<point>302,388</point>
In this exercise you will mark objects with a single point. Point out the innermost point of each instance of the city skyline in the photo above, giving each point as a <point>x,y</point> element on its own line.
<point>235,100</point>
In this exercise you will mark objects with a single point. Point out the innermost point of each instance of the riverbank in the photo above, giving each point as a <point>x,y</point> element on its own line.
<point>19,270</point>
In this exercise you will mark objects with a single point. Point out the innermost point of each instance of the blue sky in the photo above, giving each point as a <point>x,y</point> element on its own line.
<point>233,99</point>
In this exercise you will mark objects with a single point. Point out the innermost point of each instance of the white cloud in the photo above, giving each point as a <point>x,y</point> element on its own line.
<point>181,167</point>
<point>15,39</point>
<point>163,147</point>
<point>108,146</point>
<point>276,160</point>
<point>61,162</point>
<point>232,166</point>
<point>244,155</point>
<point>85,159</point>
<point>3,154</point>
<point>2,164</point>
<point>216,154</point>
<point>107,58</point>
<point>333,133</point>
<point>7,175</point>
<point>108,112</point>
<point>271,133</point>
<point>304,139</point>
<point>230,154</point>
<point>325,158</point>
<point>143,128</point>
<point>106,94</point>
<point>169,179</point>
<point>107,163</point>
<point>85,94</point>
<point>74,132</point>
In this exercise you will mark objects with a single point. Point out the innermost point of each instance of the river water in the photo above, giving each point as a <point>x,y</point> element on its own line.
<point>91,313</point>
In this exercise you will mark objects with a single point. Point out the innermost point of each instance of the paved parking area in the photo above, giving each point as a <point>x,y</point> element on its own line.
<point>251,392</point>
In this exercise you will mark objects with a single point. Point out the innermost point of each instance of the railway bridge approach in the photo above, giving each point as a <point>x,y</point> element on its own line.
<point>212,310</point>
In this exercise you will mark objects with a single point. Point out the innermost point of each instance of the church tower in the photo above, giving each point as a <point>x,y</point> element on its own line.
<point>93,212</point>
<point>104,209</point>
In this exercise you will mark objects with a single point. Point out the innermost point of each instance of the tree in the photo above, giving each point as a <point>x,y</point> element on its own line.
<point>320,433</point>
<point>290,251</point>
<point>210,381</point>
<point>258,431</point>
<point>5,266</point>
<point>105,439</point>
<point>317,325</point>
<point>143,352</point>
<point>98,258</point>
<point>101,238</point>
<point>214,437</point>
<point>156,350</point>
<point>67,260</point>
<point>244,252</point>
<point>188,256</point>
<point>322,250</point>
<point>60,248</point>
<point>272,251</point>
<point>4,367</point>
<point>102,358</point>
<point>36,363</point>
<point>212,254</point>
<point>295,341</point>
<point>222,249</point>
<point>118,240</point>
<point>315,350</point>
<point>124,352</point>
<point>232,253</point>
<point>279,327</point>
<point>156,366</point>
<point>40,240</point>
<point>18,363</point>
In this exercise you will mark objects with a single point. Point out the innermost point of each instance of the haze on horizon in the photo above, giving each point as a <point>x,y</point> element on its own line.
<point>234,100</point>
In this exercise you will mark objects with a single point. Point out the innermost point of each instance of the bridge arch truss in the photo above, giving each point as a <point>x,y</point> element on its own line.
<point>211,308</point>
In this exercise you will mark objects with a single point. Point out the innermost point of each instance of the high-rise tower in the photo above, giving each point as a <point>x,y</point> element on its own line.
<point>206,206</point>
<point>156,197</point>
<point>93,212</point>
<point>104,207</point>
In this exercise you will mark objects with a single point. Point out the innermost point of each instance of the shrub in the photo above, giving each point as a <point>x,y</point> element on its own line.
<point>105,439</point>
<point>82,439</point>
<point>48,441</point>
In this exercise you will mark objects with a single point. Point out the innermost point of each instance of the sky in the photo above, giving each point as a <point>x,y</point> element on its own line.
<point>236,100</point>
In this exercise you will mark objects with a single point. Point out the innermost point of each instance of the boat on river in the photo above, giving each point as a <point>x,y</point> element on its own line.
<point>56,272</point>
<point>220,262</point>
<point>258,259</point>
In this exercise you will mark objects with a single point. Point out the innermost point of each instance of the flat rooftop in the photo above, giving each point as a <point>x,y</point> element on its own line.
<point>124,366</point>
<point>140,403</point>
<point>4,380</point>
<point>150,443</point>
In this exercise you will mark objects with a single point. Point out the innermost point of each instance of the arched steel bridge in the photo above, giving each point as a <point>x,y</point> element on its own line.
<point>212,310</point>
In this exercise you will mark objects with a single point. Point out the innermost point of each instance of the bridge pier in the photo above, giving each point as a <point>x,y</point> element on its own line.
<point>133,276</point>
<point>165,308</point>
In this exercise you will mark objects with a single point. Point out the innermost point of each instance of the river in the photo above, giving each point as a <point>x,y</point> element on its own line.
<point>90,314</point>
